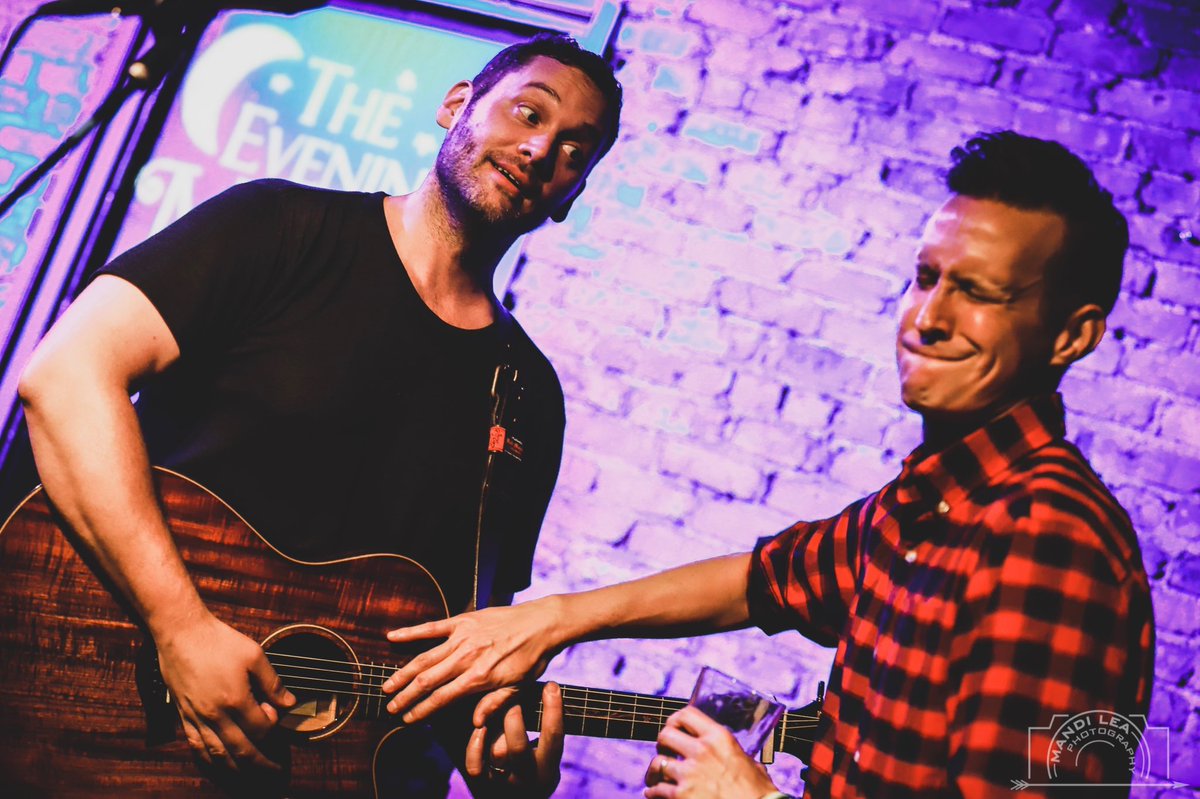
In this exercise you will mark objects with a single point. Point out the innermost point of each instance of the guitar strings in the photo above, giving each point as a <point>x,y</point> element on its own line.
<point>578,703</point>
<point>586,717</point>
<point>587,696</point>
<point>379,670</point>
<point>582,708</point>
<point>584,711</point>
<point>584,696</point>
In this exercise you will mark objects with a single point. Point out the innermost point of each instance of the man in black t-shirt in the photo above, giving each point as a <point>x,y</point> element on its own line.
<point>304,352</point>
<point>320,397</point>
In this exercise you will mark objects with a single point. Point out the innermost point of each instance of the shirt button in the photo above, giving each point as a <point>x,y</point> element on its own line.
<point>943,507</point>
<point>857,755</point>
<point>910,555</point>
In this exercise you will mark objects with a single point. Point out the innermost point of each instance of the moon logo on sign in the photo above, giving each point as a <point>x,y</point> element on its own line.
<point>219,70</point>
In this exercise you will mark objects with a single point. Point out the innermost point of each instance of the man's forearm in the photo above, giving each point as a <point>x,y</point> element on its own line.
<point>93,463</point>
<point>498,647</point>
<point>700,598</point>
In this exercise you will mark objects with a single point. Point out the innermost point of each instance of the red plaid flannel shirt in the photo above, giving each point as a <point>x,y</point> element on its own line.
<point>989,587</point>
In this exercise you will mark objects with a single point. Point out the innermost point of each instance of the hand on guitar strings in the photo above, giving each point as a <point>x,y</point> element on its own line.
<point>227,693</point>
<point>502,762</point>
<point>700,759</point>
<point>483,650</point>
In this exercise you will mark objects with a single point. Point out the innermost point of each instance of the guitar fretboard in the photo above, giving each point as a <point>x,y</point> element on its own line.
<point>590,712</point>
<point>586,711</point>
<point>600,713</point>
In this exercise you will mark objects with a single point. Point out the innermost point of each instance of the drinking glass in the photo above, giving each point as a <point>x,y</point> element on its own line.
<point>747,713</point>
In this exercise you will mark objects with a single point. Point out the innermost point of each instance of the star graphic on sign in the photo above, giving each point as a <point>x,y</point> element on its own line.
<point>424,144</point>
<point>280,83</point>
<point>406,81</point>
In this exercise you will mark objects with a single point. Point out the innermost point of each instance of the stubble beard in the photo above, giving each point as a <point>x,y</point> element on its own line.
<point>456,167</point>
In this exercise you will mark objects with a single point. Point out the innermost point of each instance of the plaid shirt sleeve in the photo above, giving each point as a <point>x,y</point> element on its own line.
<point>804,578</point>
<point>1050,625</point>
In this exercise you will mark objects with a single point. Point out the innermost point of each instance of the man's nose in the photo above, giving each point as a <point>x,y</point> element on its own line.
<point>539,148</point>
<point>934,318</point>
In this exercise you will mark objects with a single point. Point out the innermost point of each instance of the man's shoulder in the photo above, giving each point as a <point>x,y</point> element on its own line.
<point>1055,495</point>
<point>531,357</point>
<point>288,192</point>
<point>1058,476</point>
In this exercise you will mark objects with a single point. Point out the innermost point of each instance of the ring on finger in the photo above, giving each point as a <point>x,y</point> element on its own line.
<point>497,771</point>
<point>662,767</point>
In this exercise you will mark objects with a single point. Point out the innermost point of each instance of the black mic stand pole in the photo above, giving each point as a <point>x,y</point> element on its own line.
<point>143,74</point>
<point>101,116</point>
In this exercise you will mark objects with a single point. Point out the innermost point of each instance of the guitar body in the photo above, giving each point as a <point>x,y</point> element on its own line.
<point>83,712</point>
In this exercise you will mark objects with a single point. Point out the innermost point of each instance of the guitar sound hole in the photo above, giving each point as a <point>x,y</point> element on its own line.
<point>320,669</point>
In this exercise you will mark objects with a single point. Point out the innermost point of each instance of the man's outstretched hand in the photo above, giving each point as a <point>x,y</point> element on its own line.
<point>483,650</point>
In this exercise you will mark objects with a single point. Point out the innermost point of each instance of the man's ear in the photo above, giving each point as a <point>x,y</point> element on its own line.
<point>1080,334</point>
<point>454,103</point>
<point>559,214</point>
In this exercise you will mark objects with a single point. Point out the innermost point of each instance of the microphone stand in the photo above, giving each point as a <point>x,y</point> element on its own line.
<point>101,116</point>
<point>168,24</point>
<point>177,26</point>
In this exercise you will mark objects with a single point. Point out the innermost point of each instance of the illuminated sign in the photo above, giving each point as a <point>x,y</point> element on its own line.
<point>330,98</point>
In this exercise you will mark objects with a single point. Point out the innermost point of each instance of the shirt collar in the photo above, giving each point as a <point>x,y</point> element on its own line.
<point>982,457</point>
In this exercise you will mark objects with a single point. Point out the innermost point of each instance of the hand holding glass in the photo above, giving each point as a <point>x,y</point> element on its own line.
<point>747,713</point>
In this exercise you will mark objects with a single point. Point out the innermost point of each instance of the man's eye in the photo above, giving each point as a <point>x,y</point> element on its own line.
<point>971,290</point>
<point>926,277</point>
<point>528,114</point>
<point>572,151</point>
<point>975,295</point>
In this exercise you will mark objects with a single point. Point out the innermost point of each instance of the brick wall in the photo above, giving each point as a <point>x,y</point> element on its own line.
<point>720,304</point>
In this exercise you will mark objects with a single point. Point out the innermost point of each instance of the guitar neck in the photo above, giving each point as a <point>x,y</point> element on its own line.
<point>588,712</point>
<point>601,713</point>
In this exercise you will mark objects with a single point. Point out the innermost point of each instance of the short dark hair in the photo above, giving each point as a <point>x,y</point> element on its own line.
<point>1039,175</point>
<point>565,50</point>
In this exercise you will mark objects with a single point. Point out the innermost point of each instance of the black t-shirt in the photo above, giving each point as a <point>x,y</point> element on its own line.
<point>318,395</point>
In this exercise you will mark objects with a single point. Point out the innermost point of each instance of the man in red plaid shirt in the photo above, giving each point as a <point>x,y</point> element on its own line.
<point>991,592</point>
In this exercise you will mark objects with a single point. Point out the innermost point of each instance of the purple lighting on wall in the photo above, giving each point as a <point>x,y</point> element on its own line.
<point>721,302</point>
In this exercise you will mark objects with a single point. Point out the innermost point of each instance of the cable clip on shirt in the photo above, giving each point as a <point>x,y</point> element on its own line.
<point>499,439</point>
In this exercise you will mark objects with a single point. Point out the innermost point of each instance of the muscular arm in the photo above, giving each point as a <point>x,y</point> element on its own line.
<point>92,460</point>
<point>501,646</point>
<point>89,449</point>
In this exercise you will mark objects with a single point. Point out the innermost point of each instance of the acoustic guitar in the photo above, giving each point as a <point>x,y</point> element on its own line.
<point>84,712</point>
